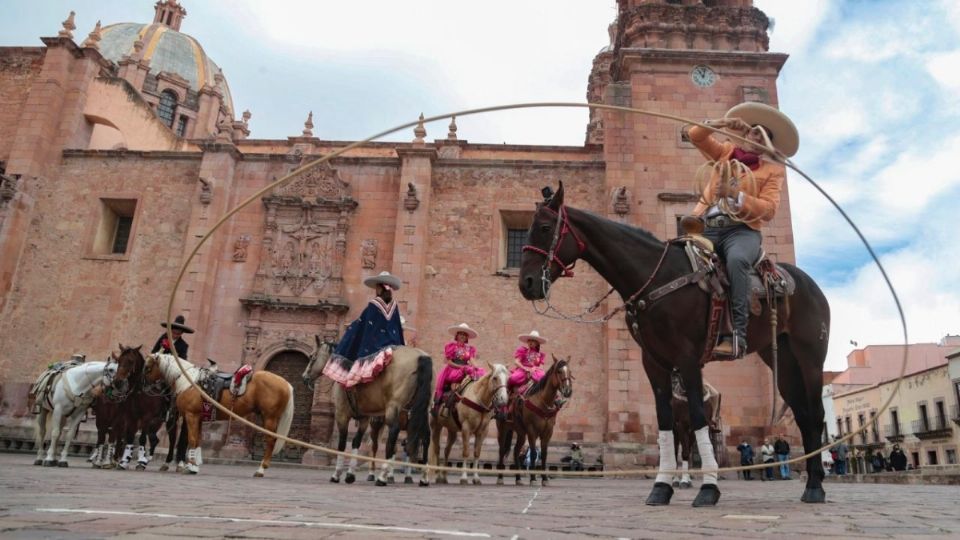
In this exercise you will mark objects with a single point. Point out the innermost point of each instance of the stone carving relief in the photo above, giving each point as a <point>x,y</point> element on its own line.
<point>206,191</point>
<point>368,253</point>
<point>411,202</point>
<point>240,248</point>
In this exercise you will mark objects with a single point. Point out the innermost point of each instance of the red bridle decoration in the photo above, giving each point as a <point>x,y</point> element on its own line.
<point>562,229</point>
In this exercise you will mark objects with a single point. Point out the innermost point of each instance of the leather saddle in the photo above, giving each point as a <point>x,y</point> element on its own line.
<point>214,382</point>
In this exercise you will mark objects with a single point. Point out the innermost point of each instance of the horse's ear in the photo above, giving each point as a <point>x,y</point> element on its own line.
<point>489,365</point>
<point>554,358</point>
<point>113,355</point>
<point>121,347</point>
<point>557,200</point>
<point>140,346</point>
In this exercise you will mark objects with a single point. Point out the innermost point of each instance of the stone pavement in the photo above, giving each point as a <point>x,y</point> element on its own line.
<point>226,501</point>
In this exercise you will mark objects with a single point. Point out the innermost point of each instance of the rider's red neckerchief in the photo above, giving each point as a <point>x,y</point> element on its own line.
<point>749,159</point>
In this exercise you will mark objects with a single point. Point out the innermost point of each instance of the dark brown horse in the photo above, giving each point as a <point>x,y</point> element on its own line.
<point>532,417</point>
<point>672,330</point>
<point>683,436</point>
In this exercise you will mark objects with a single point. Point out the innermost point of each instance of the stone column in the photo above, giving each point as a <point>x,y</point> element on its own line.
<point>413,226</point>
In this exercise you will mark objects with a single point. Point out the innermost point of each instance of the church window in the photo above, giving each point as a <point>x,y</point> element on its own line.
<point>115,228</point>
<point>514,225</point>
<point>168,104</point>
<point>182,126</point>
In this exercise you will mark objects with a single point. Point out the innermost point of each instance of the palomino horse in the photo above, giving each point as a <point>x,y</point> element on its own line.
<point>533,416</point>
<point>143,409</point>
<point>72,393</point>
<point>267,394</point>
<point>406,383</point>
<point>672,334</point>
<point>683,436</point>
<point>474,406</point>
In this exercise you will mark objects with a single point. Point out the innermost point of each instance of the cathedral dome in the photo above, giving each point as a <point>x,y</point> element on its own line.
<point>167,50</point>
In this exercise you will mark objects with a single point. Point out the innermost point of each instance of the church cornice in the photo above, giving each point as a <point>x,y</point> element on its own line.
<point>278,303</point>
<point>143,154</point>
<point>646,56</point>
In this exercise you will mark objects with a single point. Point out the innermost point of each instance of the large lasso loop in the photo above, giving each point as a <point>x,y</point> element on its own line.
<point>768,150</point>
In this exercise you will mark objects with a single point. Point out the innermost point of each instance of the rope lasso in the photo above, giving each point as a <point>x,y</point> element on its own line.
<point>768,150</point>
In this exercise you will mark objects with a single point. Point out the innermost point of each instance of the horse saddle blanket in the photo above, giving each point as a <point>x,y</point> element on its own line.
<point>214,382</point>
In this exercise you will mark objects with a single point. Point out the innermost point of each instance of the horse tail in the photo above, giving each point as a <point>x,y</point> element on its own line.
<point>283,428</point>
<point>418,425</point>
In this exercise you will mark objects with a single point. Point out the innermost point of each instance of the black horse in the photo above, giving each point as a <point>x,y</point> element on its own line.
<point>672,330</point>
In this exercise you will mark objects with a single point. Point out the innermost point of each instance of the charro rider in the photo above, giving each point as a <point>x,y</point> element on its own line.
<point>528,360</point>
<point>367,345</point>
<point>178,329</point>
<point>459,356</point>
<point>735,211</point>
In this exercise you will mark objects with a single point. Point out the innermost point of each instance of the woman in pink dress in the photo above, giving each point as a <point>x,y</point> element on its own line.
<point>528,360</point>
<point>459,355</point>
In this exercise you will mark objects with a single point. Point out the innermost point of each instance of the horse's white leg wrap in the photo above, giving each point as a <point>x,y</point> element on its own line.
<point>668,456</point>
<point>193,460</point>
<point>95,458</point>
<point>339,468</point>
<point>353,460</point>
<point>199,456</point>
<point>684,475</point>
<point>127,456</point>
<point>142,456</point>
<point>111,451</point>
<point>385,471</point>
<point>705,448</point>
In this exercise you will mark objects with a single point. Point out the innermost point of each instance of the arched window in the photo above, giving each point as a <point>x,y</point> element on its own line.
<point>168,104</point>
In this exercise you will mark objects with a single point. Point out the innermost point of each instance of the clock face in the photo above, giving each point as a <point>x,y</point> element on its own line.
<point>703,76</point>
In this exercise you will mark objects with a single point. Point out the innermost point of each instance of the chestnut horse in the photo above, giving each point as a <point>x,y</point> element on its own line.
<point>267,394</point>
<point>470,416</point>
<point>672,329</point>
<point>405,384</point>
<point>533,416</point>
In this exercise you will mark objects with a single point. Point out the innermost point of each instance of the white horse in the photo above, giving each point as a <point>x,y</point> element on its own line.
<point>68,400</point>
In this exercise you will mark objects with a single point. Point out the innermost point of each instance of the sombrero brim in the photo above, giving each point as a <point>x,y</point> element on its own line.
<point>470,332</point>
<point>178,326</point>
<point>527,337</point>
<point>785,136</point>
<point>373,281</point>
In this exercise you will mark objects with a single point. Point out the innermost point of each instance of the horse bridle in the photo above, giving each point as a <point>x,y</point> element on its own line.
<point>551,256</point>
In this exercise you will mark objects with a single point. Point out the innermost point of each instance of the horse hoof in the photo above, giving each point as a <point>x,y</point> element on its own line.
<point>164,468</point>
<point>408,480</point>
<point>660,495</point>
<point>814,495</point>
<point>141,467</point>
<point>49,463</point>
<point>334,480</point>
<point>38,462</point>
<point>519,482</point>
<point>63,464</point>
<point>544,482</point>
<point>424,483</point>
<point>350,478</point>
<point>686,485</point>
<point>258,474</point>
<point>708,496</point>
<point>442,480</point>
<point>390,480</point>
<point>477,482</point>
<point>464,481</point>
<point>499,481</point>
<point>371,477</point>
<point>381,483</point>
<point>676,483</point>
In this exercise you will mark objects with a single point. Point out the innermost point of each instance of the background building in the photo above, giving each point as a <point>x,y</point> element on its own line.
<point>117,154</point>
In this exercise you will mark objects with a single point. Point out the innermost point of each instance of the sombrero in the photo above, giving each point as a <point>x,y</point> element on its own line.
<point>534,335</point>
<point>463,327</point>
<point>383,278</point>
<point>178,325</point>
<point>785,136</point>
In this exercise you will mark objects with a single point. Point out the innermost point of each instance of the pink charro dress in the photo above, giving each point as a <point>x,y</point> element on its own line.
<point>530,358</point>
<point>459,355</point>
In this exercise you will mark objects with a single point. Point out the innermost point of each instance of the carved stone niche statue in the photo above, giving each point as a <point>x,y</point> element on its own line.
<point>368,253</point>
<point>206,191</point>
<point>411,202</point>
<point>240,248</point>
<point>621,204</point>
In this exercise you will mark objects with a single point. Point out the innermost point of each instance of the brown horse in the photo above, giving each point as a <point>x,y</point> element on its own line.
<point>405,384</point>
<point>469,416</point>
<point>267,394</point>
<point>672,329</point>
<point>533,416</point>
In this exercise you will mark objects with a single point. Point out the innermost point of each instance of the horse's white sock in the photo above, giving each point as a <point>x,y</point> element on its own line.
<point>668,457</point>
<point>142,455</point>
<point>684,466</point>
<point>353,459</point>
<point>707,459</point>
<point>339,469</point>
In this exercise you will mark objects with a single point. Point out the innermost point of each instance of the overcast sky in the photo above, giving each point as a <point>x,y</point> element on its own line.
<point>874,88</point>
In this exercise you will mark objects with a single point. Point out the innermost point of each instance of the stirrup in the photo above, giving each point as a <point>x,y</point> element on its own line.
<point>730,348</point>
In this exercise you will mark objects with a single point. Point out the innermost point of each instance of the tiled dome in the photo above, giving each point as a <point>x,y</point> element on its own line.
<point>167,50</point>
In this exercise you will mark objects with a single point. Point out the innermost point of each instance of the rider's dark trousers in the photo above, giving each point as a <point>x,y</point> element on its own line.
<point>738,246</point>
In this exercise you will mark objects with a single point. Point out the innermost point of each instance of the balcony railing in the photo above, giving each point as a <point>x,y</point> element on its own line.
<point>934,428</point>
<point>893,432</point>
<point>955,414</point>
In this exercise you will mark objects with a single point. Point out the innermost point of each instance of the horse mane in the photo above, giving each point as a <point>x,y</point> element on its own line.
<point>618,229</point>
<point>538,386</point>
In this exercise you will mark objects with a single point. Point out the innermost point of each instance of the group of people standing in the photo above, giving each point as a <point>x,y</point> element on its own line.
<point>770,454</point>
